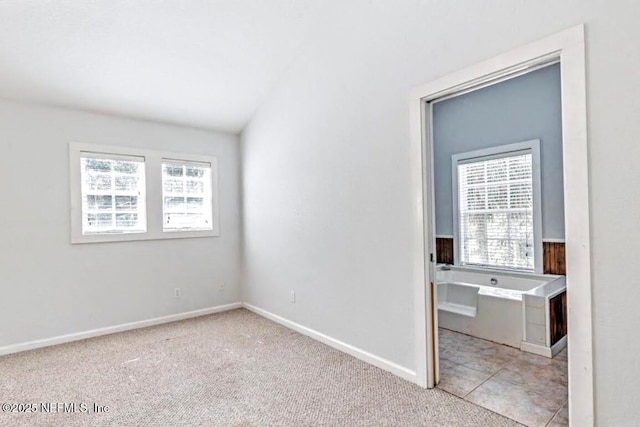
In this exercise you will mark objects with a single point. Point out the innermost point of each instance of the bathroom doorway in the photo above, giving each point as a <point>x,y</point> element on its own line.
<point>566,51</point>
<point>500,245</point>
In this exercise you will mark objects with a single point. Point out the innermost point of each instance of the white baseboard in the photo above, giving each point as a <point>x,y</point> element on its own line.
<point>15,348</point>
<point>365,356</point>
<point>542,350</point>
<point>557,347</point>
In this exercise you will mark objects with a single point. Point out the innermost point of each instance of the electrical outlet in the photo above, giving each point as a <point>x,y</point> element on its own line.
<point>222,286</point>
<point>177,293</point>
<point>292,297</point>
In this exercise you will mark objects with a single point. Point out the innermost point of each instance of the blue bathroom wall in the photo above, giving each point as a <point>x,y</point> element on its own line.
<point>524,108</point>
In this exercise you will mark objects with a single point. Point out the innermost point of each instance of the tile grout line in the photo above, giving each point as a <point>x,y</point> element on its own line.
<point>474,389</point>
<point>480,406</point>
<point>504,415</point>
<point>556,413</point>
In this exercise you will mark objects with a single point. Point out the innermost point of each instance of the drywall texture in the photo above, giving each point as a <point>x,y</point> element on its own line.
<point>50,287</point>
<point>328,204</point>
<point>517,110</point>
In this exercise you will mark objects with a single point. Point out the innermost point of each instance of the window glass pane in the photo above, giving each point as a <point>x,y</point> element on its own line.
<point>523,254</point>
<point>473,173</point>
<point>496,170</point>
<point>195,187</point>
<point>100,220</point>
<point>173,186</point>
<point>187,196</point>
<point>113,195</point>
<point>184,220</point>
<point>521,195</point>
<point>173,170</point>
<point>98,182</point>
<point>497,226</point>
<point>126,220</point>
<point>495,208</point>
<point>195,203</point>
<point>126,183</point>
<point>174,203</point>
<point>97,165</point>
<point>474,224</point>
<point>126,203</point>
<point>521,225</point>
<point>475,250</point>
<point>125,167</point>
<point>195,171</point>
<point>520,167</point>
<point>99,202</point>
<point>474,198</point>
<point>498,252</point>
<point>498,197</point>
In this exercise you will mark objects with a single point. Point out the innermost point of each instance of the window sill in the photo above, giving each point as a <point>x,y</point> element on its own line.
<point>129,237</point>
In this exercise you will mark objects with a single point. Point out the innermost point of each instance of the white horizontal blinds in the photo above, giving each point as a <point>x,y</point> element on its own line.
<point>186,196</point>
<point>113,193</point>
<point>496,211</point>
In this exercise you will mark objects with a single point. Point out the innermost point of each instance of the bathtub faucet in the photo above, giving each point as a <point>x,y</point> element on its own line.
<point>446,267</point>
<point>493,281</point>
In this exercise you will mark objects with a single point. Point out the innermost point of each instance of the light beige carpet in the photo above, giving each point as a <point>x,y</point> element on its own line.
<point>234,368</point>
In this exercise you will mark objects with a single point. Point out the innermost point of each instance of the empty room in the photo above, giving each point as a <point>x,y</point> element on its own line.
<point>319,213</point>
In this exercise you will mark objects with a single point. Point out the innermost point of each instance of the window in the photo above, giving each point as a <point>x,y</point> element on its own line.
<point>186,196</point>
<point>113,194</point>
<point>497,207</point>
<point>120,194</point>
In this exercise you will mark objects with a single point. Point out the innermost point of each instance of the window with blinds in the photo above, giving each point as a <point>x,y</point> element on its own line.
<point>113,194</point>
<point>186,196</point>
<point>496,211</point>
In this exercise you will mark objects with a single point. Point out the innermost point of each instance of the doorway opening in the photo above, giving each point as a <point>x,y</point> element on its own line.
<point>565,51</point>
<point>500,267</point>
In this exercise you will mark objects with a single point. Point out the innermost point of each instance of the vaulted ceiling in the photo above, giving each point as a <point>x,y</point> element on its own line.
<point>202,63</point>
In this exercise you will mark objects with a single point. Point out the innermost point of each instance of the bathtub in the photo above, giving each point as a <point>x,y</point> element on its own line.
<point>494,305</point>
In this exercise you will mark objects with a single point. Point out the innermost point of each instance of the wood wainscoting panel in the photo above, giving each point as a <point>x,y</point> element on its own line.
<point>444,250</point>
<point>553,255</point>
<point>558,317</point>
<point>554,258</point>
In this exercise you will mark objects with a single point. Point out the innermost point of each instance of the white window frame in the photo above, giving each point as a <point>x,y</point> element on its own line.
<point>142,197</point>
<point>153,178</point>
<point>213,185</point>
<point>533,147</point>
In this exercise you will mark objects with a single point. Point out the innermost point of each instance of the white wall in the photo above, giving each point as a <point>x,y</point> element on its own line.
<point>328,203</point>
<point>50,287</point>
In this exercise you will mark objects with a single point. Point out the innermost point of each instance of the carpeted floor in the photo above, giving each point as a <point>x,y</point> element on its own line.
<point>234,368</point>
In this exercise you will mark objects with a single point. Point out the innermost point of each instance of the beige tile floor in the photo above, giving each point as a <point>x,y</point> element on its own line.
<point>522,386</point>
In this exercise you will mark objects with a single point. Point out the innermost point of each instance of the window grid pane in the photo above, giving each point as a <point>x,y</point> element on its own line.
<point>186,196</point>
<point>113,195</point>
<point>495,204</point>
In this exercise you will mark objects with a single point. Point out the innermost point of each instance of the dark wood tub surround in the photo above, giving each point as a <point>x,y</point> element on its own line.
<point>554,258</point>
<point>553,255</point>
<point>444,250</point>
<point>558,317</point>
